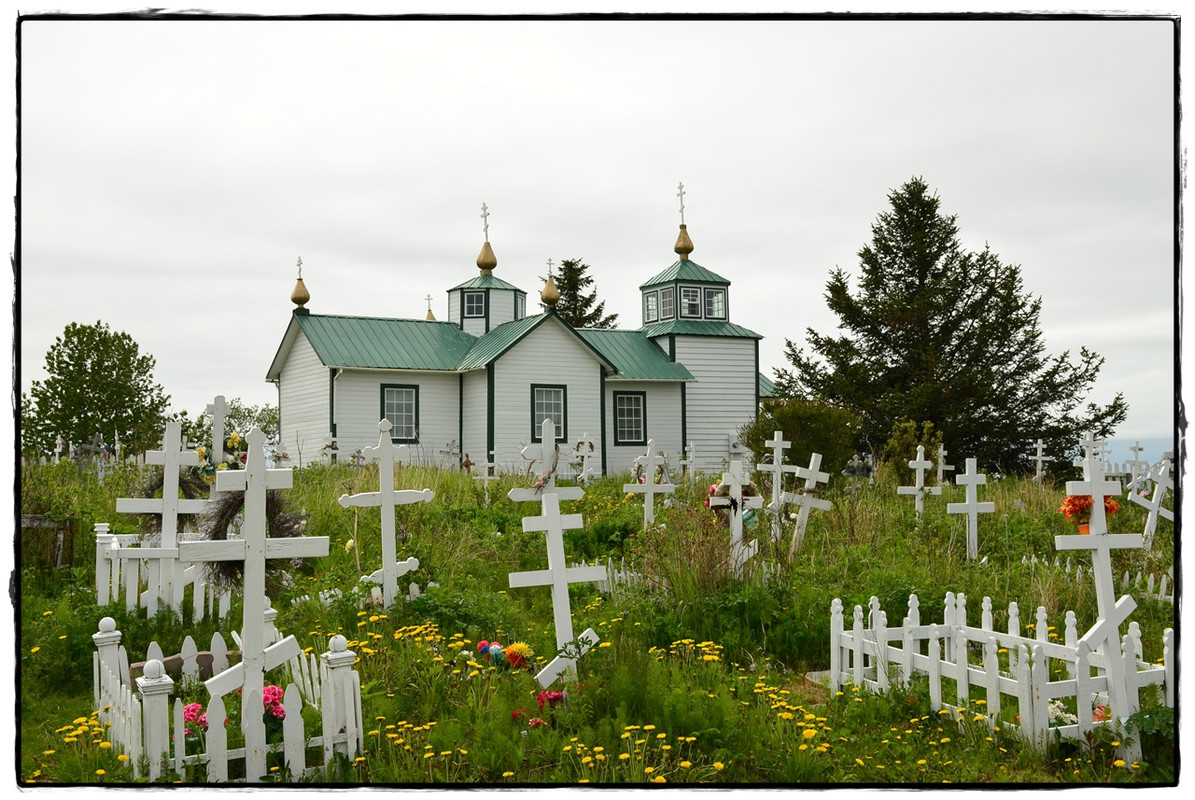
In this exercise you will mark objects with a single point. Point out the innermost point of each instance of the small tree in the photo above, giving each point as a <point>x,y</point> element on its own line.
<point>576,307</point>
<point>98,381</point>
<point>811,427</point>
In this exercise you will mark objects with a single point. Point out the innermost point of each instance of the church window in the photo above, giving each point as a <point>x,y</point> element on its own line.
<point>715,304</point>
<point>667,310</point>
<point>690,302</point>
<point>630,418</point>
<point>474,304</point>
<point>650,309</point>
<point>400,405</point>
<point>548,402</point>
<point>520,306</point>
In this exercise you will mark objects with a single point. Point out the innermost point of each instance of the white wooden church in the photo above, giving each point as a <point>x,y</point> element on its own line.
<point>479,385</point>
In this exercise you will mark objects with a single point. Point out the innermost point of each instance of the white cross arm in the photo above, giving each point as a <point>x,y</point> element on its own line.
<point>213,550</point>
<point>1109,541</point>
<point>799,499</point>
<point>754,501</point>
<point>236,480</point>
<point>134,553</point>
<point>559,664</point>
<point>374,499</point>
<point>963,508</point>
<point>297,547</point>
<point>401,568</point>
<point>1101,631</point>
<point>1165,513</point>
<point>153,505</point>
<point>544,577</point>
<point>232,678</point>
<point>563,492</point>
<point>183,458</point>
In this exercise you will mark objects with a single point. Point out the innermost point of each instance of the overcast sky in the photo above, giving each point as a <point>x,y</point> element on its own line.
<point>172,173</point>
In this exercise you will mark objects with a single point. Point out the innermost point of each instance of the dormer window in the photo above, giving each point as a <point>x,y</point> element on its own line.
<point>520,306</point>
<point>667,305</point>
<point>474,304</point>
<point>715,304</point>
<point>690,302</point>
<point>651,311</point>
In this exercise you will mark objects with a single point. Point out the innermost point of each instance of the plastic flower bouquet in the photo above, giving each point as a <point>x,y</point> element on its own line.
<point>1077,509</point>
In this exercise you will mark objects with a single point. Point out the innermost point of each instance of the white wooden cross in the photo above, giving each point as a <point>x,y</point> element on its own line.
<point>688,464</point>
<point>1162,483</point>
<point>812,476</point>
<point>650,462</point>
<point>387,454</point>
<point>919,489</point>
<point>165,585</point>
<point>585,450</point>
<point>1104,635</point>
<point>854,468</point>
<point>972,479</point>
<point>219,411</point>
<point>942,465</point>
<point>254,549</point>
<point>452,452</point>
<point>487,475</point>
<point>1040,458</point>
<point>1089,445</point>
<point>559,575</point>
<point>734,481</point>
<point>94,449</point>
<point>776,468</point>
<point>546,456</point>
<point>1135,474</point>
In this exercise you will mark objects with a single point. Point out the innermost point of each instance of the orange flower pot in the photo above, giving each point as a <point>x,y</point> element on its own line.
<point>1084,530</point>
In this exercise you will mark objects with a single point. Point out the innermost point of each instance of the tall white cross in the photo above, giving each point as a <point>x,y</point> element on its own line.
<point>650,462</point>
<point>812,475</point>
<point>1162,483</point>
<point>485,221</point>
<point>680,192</point>
<point>585,451</point>
<point>776,468</point>
<point>688,464</point>
<point>387,454</point>
<point>546,456</point>
<point>1089,445</point>
<point>972,479</point>
<point>219,411</point>
<point>559,575</point>
<point>254,549</point>
<point>1135,465</point>
<point>165,587</point>
<point>919,489</point>
<point>1040,458</point>
<point>487,475</point>
<point>734,481</point>
<point>942,465</point>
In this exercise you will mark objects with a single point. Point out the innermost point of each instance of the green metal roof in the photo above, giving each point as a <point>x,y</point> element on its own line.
<point>686,271</point>
<point>697,327</point>
<point>508,334</point>
<point>486,282</point>
<point>765,387</point>
<point>634,356</point>
<point>381,343</point>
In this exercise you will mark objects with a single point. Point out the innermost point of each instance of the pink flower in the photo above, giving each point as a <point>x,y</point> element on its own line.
<point>278,711</point>
<point>535,722</point>
<point>202,720</point>
<point>191,712</point>
<point>1101,713</point>
<point>271,695</point>
<point>552,698</point>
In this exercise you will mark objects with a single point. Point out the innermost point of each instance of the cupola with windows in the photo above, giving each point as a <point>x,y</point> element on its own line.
<point>481,304</point>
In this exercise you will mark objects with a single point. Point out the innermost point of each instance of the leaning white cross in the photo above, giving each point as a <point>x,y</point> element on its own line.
<point>1104,635</point>
<point>942,465</point>
<point>776,468</point>
<point>1136,475</point>
<point>734,481</point>
<point>1162,483</point>
<point>806,499</point>
<point>1040,458</point>
<point>163,560</point>
<point>650,462</point>
<point>254,549</point>
<point>558,575</point>
<point>972,479</point>
<point>919,489</point>
<point>546,456</point>
<point>219,411</point>
<point>387,453</point>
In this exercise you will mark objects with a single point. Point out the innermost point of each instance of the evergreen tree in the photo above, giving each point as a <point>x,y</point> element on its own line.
<point>576,307</point>
<point>98,381</point>
<point>936,334</point>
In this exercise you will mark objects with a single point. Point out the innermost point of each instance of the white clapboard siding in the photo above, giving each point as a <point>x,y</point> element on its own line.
<point>663,424</point>
<point>454,307</point>
<point>303,403</point>
<point>359,409</point>
<point>473,402</point>
<point>502,307</point>
<point>722,398</point>
<point>547,355</point>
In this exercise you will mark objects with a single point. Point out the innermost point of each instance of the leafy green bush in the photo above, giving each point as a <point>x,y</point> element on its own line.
<point>811,426</point>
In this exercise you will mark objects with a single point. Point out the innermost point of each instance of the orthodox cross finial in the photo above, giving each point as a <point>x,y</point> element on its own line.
<point>680,192</point>
<point>485,221</point>
<point>549,266</point>
<point>300,266</point>
<point>429,302</point>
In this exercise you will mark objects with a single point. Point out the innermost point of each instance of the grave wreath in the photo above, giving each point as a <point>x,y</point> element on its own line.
<point>718,489</point>
<point>227,512</point>
<point>233,457</point>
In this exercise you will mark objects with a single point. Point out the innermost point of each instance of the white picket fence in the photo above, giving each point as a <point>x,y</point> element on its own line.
<point>1153,587</point>
<point>122,573</point>
<point>615,576</point>
<point>1009,667</point>
<point>142,721</point>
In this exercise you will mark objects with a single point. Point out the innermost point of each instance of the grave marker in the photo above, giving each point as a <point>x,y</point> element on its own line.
<point>688,464</point>
<point>254,549</point>
<point>487,475</point>
<point>1040,459</point>
<point>919,489</point>
<point>219,411</point>
<point>972,479</point>
<point>546,456</point>
<point>388,454</point>
<point>734,480</point>
<point>812,476</point>
<point>776,468</point>
<point>585,451</point>
<point>559,575</point>
<point>942,465</point>
<point>650,462</point>
<point>1162,483</point>
<point>1135,464</point>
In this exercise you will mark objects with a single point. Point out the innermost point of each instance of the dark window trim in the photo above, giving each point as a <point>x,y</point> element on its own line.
<point>382,392</point>
<point>681,302</point>
<point>465,304</point>
<point>643,409</point>
<point>648,318</point>
<point>705,294</point>
<point>671,314</point>
<point>562,431</point>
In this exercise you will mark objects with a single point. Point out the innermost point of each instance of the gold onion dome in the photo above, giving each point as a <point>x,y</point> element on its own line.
<point>684,245</point>
<point>550,295</point>
<point>430,316</point>
<point>486,260</point>
<point>299,295</point>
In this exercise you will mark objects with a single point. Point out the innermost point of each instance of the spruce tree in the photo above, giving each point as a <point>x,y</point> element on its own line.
<point>576,307</point>
<point>937,334</point>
